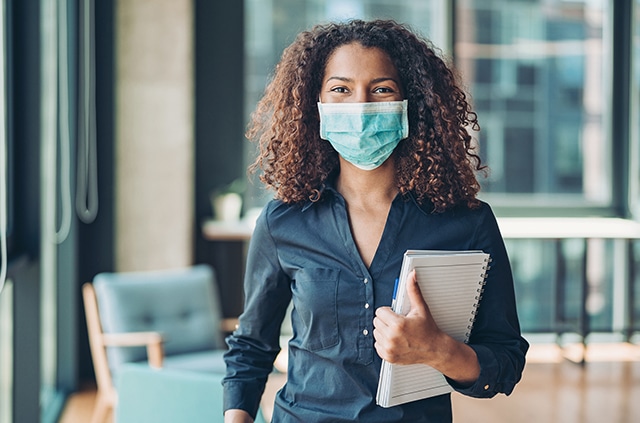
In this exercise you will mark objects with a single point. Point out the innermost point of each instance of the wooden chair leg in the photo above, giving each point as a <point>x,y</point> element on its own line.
<point>101,409</point>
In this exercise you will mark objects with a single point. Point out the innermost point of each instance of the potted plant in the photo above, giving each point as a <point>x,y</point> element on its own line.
<point>227,201</point>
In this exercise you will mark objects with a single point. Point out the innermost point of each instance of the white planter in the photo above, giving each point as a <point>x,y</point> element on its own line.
<point>227,207</point>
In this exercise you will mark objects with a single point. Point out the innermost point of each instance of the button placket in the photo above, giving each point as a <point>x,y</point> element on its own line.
<point>365,341</point>
<point>366,313</point>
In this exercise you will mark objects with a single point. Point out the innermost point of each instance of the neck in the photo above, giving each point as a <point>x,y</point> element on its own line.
<point>367,186</point>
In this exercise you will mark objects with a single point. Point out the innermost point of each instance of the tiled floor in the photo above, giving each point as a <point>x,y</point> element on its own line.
<point>554,389</point>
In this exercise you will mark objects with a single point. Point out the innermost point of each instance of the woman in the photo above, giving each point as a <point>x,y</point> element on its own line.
<point>362,135</point>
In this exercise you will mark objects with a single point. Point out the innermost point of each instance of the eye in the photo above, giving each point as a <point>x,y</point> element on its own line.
<point>339,89</point>
<point>383,90</point>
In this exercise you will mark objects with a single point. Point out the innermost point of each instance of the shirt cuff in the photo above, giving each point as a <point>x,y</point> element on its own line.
<point>486,386</point>
<point>243,396</point>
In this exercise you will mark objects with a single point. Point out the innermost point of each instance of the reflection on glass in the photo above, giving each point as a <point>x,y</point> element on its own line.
<point>536,71</point>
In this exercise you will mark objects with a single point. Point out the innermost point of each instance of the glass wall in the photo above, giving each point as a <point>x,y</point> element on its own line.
<point>538,71</point>
<point>539,76</point>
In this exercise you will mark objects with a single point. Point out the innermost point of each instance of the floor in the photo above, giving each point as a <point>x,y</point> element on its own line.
<point>555,388</point>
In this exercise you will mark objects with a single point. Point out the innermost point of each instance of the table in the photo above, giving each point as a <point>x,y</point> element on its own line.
<point>216,230</point>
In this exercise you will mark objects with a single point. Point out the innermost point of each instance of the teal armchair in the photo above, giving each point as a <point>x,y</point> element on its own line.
<point>167,318</point>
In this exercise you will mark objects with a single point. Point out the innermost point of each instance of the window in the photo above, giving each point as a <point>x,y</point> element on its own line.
<point>539,77</point>
<point>538,73</point>
<point>272,25</point>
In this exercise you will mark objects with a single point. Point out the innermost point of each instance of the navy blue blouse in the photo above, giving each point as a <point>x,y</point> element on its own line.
<point>306,254</point>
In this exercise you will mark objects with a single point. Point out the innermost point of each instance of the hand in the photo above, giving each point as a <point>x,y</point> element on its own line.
<point>416,338</point>
<point>237,416</point>
<point>410,339</point>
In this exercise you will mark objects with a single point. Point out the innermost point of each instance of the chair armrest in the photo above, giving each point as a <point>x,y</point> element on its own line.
<point>229,324</point>
<point>131,339</point>
<point>152,340</point>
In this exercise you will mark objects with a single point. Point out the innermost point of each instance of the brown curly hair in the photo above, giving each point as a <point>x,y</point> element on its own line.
<point>437,162</point>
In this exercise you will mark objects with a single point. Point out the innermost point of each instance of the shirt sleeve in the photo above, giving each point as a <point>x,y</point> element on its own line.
<point>495,336</point>
<point>254,345</point>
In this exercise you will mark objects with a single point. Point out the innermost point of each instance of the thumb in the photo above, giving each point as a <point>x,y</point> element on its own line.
<point>416,300</point>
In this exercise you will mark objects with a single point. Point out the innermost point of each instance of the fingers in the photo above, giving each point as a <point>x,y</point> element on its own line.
<point>385,313</point>
<point>409,338</point>
<point>385,325</point>
<point>418,305</point>
<point>380,322</point>
<point>386,334</point>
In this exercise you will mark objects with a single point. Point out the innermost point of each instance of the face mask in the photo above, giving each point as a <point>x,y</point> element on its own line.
<point>364,134</point>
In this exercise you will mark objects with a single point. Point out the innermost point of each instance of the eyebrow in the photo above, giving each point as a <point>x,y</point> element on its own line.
<point>373,81</point>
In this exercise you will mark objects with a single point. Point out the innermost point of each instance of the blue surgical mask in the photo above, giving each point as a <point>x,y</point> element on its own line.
<point>364,134</point>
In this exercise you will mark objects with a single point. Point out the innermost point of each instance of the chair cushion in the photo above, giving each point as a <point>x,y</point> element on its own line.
<point>169,395</point>
<point>181,304</point>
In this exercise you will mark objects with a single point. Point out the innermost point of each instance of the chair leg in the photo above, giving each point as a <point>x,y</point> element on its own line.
<point>101,409</point>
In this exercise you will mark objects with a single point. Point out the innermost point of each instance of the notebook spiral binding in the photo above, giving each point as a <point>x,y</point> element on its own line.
<point>478,297</point>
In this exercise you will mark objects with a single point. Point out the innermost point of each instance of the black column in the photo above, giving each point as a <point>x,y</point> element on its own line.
<point>219,133</point>
<point>24,59</point>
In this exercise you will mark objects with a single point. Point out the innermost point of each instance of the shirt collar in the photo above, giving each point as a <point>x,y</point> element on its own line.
<point>328,189</point>
<point>426,207</point>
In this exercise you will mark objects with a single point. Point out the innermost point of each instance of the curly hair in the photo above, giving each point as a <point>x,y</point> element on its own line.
<point>437,162</point>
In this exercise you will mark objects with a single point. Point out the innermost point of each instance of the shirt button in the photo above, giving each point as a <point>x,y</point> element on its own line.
<point>486,387</point>
<point>366,280</point>
<point>365,332</point>
<point>366,305</point>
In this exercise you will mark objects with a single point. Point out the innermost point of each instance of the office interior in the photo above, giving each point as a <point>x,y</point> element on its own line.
<point>123,119</point>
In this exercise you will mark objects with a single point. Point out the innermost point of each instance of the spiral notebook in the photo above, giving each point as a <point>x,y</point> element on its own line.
<point>452,283</point>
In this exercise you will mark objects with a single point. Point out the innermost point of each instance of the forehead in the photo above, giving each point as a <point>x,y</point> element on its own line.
<point>356,60</point>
